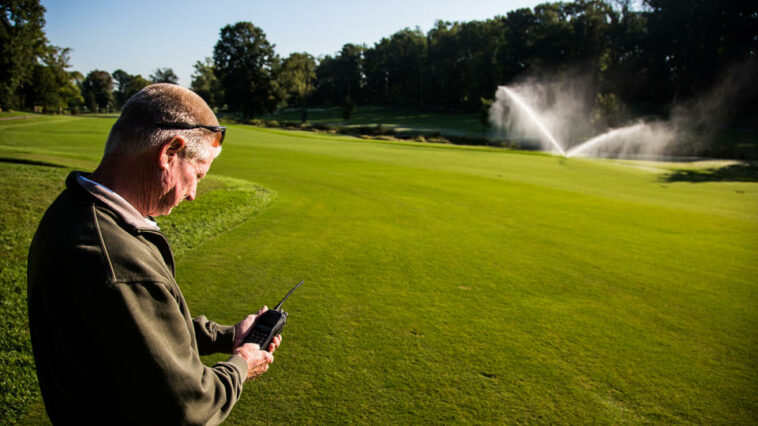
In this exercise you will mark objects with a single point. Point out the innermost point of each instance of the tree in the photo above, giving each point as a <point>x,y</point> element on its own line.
<point>394,67</point>
<point>22,42</point>
<point>126,86</point>
<point>340,79</point>
<point>71,94</point>
<point>136,84</point>
<point>41,91</point>
<point>520,30</point>
<point>326,81</point>
<point>700,39</point>
<point>121,79</point>
<point>446,67</point>
<point>66,93</point>
<point>51,87</point>
<point>297,78</point>
<point>247,67</point>
<point>205,83</point>
<point>164,75</point>
<point>97,90</point>
<point>376,73</point>
<point>552,47</point>
<point>349,72</point>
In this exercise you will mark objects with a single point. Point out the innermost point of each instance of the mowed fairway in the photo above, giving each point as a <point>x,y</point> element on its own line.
<point>456,285</point>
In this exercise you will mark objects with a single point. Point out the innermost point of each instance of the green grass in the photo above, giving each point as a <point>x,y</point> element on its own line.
<point>400,118</point>
<point>14,114</point>
<point>224,203</point>
<point>464,284</point>
<point>26,192</point>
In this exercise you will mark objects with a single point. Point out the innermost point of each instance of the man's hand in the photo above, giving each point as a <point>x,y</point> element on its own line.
<point>257,360</point>
<point>243,327</point>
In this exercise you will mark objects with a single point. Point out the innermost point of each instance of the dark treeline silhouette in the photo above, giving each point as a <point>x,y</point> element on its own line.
<point>668,52</point>
<point>662,53</point>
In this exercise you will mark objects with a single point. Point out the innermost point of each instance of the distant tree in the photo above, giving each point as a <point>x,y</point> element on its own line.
<point>446,68</point>
<point>394,67</point>
<point>136,84</point>
<point>376,73</point>
<point>97,90</point>
<point>696,40</point>
<point>349,72</point>
<point>327,81</point>
<point>206,84</point>
<point>51,86</point>
<point>339,80</point>
<point>67,92</point>
<point>247,67</point>
<point>41,90</point>
<point>297,78</point>
<point>22,42</point>
<point>554,43</point>
<point>77,79</point>
<point>121,80</point>
<point>126,86</point>
<point>164,75</point>
<point>520,28</point>
<point>71,92</point>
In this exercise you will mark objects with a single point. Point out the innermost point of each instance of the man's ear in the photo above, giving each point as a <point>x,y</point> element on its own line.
<point>171,150</point>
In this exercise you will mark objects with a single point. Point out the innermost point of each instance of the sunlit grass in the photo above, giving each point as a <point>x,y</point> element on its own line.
<point>454,285</point>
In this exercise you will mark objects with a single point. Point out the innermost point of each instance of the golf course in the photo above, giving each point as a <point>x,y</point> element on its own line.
<point>443,284</point>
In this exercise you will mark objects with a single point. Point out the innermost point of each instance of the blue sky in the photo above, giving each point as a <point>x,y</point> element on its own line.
<point>139,36</point>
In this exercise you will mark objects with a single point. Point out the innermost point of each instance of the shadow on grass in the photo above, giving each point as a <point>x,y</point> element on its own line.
<point>103,115</point>
<point>29,162</point>
<point>745,172</point>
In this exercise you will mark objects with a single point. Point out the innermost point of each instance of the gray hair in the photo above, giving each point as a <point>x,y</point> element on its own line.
<point>136,131</point>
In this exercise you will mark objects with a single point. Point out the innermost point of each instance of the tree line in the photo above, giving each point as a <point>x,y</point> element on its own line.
<point>662,53</point>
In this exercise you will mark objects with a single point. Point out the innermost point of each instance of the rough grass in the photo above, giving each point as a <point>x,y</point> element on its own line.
<point>222,203</point>
<point>474,285</point>
<point>26,191</point>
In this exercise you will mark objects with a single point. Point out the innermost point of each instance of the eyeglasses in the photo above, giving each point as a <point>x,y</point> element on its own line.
<point>187,126</point>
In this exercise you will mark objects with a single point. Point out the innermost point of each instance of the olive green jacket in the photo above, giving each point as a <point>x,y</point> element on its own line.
<point>112,335</point>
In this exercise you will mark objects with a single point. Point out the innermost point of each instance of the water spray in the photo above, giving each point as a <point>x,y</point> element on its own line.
<point>641,138</point>
<point>533,116</point>
<point>595,142</point>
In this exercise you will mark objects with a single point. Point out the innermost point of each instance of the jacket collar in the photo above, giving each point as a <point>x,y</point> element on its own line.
<point>112,200</point>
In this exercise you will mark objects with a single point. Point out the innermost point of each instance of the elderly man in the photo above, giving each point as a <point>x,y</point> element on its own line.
<point>113,338</point>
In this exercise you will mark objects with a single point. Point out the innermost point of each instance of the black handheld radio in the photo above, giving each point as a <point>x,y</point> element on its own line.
<point>269,324</point>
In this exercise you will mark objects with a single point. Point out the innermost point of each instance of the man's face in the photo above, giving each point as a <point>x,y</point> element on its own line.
<point>179,182</point>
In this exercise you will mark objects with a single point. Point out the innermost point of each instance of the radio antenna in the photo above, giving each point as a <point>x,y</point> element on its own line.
<point>288,295</point>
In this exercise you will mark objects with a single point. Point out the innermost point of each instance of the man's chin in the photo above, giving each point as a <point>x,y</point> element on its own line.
<point>163,212</point>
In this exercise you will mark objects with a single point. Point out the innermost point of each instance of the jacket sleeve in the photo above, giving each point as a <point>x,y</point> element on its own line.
<point>146,348</point>
<point>212,337</point>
